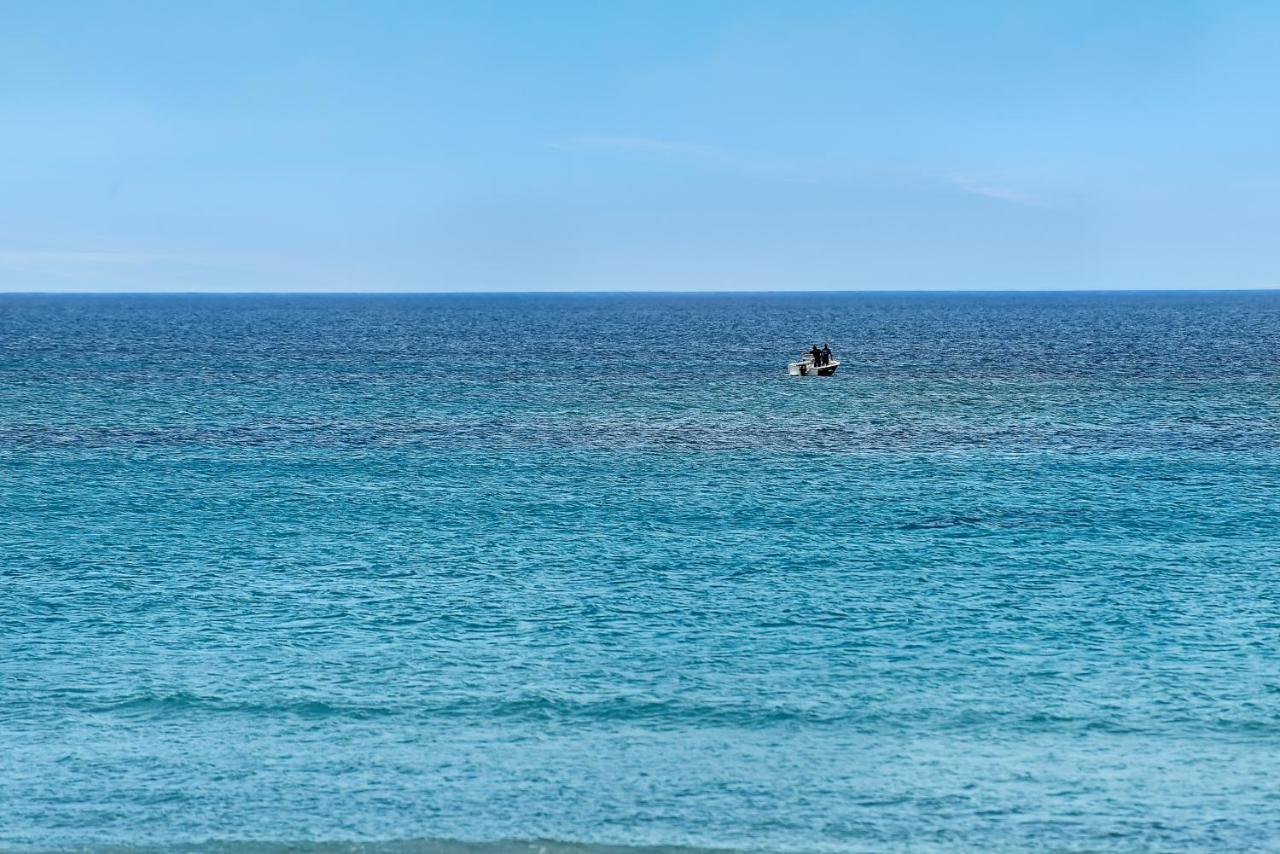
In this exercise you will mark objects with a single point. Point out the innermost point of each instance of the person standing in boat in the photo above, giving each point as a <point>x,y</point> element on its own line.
<point>826,352</point>
<point>816,354</point>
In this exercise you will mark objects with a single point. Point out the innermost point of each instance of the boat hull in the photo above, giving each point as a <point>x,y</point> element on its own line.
<point>808,369</point>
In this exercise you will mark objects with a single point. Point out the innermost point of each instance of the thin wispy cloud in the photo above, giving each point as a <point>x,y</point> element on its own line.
<point>710,157</point>
<point>50,260</point>
<point>72,264</point>
<point>989,190</point>
<point>640,144</point>
<point>787,168</point>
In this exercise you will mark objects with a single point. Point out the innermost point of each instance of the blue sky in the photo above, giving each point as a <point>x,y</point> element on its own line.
<point>694,145</point>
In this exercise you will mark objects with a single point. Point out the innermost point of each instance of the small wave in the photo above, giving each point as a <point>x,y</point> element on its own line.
<point>656,711</point>
<point>182,701</point>
<point>399,846</point>
<point>940,522</point>
<point>526,707</point>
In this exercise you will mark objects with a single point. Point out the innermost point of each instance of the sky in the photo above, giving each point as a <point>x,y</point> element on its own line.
<point>625,146</point>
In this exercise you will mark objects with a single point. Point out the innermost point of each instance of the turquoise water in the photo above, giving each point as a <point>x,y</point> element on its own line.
<point>405,570</point>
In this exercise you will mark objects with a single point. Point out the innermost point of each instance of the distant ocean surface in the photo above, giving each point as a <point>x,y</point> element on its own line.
<point>291,573</point>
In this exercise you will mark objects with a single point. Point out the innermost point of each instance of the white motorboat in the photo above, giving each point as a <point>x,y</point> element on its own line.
<point>815,363</point>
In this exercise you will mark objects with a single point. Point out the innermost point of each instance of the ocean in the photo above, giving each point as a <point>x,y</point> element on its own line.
<point>592,573</point>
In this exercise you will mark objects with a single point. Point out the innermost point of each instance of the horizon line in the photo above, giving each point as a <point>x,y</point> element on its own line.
<point>726,292</point>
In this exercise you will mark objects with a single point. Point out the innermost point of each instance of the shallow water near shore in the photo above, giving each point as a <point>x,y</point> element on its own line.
<point>369,573</point>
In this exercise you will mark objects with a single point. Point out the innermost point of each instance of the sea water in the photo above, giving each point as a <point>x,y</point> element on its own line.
<point>595,570</point>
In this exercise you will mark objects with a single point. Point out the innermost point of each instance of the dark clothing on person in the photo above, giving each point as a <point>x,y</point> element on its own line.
<point>826,354</point>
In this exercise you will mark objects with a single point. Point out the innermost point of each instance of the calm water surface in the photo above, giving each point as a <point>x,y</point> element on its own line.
<point>594,569</point>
